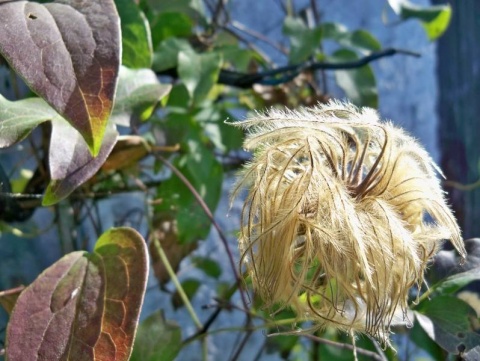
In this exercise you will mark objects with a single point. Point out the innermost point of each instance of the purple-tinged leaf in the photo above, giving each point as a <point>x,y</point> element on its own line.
<point>68,52</point>
<point>71,163</point>
<point>85,307</point>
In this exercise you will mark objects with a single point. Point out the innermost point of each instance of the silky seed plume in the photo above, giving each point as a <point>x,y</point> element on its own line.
<point>343,214</point>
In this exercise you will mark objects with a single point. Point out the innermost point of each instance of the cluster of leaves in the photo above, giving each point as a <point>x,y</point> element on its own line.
<point>94,67</point>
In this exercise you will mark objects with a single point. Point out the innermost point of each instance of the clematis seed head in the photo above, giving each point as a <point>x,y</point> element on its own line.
<point>342,216</point>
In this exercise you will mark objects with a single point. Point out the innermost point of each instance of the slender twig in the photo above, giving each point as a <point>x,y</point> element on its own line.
<point>461,186</point>
<point>373,355</point>
<point>209,214</point>
<point>176,282</point>
<point>239,26</point>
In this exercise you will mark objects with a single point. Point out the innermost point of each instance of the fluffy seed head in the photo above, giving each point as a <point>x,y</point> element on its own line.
<point>342,215</point>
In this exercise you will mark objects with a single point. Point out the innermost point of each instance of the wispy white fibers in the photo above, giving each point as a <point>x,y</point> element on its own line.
<point>342,215</point>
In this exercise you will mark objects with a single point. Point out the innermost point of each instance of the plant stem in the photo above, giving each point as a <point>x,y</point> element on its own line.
<point>176,282</point>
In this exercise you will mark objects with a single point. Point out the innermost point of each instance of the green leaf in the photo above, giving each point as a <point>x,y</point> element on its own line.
<point>434,19</point>
<point>190,287</point>
<point>422,340</point>
<point>304,42</point>
<point>68,52</point>
<point>452,284</point>
<point>204,172</point>
<point>171,24</point>
<point>447,320</point>
<point>363,40</point>
<point>85,306</point>
<point>166,56</point>
<point>193,8</point>
<point>199,73</point>
<point>333,31</point>
<point>208,266</point>
<point>138,93</point>
<point>157,339</point>
<point>357,40</point>
<point>136,38</point>
<point>358,84</point>
<point>19,118</point>
<point>224,136</point>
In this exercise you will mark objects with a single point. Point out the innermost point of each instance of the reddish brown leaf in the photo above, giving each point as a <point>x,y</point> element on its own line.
<point>68,52</point>
<point>85,307</point>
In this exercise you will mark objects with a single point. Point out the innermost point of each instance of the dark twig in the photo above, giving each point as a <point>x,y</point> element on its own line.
<point>287,73</point>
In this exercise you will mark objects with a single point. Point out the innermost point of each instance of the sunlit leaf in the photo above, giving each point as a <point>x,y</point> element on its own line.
<point>137,95</point>
<point>166,55</point>
<point>68,52</point>
<point>359,84</point>
<point>447,320</point>
<point>136,38</point>
<point>358,40</point>
<point>434,19</point>
<point>303,41</point>
<point>199,72</point>
<point>85,306</point>
<point>157,339</point>
<point>19,118</point>
<point>71,164</point>
<point>453,283</point>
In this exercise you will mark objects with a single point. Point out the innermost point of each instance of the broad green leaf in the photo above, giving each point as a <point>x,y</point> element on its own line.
<point>208,266</point>
<point>171,25</point>
<point>85,306</point>
<point>199,72</point>
<point>193,8</point>
<point>201,168</point>
<point>453,283</point>
<point>19,118</point>
<point>333,31</point>
<point>136,38</point>
<point>358,84</point>
<point>447,320</point>
<point>422,340</point>
<point>434,19</point>
<point>357,40</point>
<point>224,136</point>
<point>362,40</point>
<point>157,339</point>
<point>71,164</point>
<point>239,58</point>
<point>166,55</point>
<point>138,93</point>
<point>68,52</point>
<point>303,41</point>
